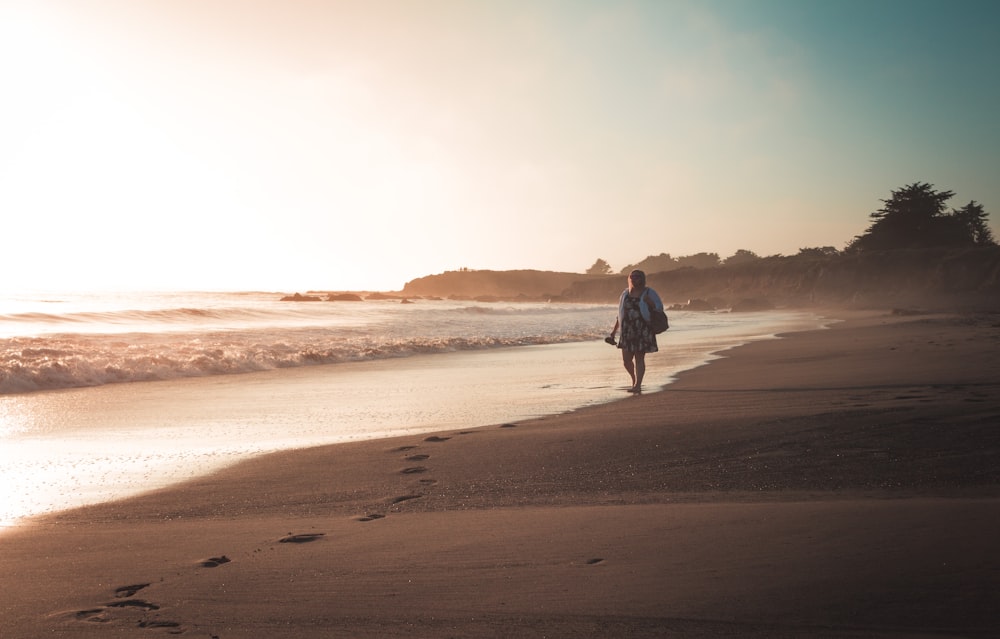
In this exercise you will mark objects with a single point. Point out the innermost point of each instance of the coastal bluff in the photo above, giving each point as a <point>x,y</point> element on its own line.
<point>518,285</point>
<point>967,279</point>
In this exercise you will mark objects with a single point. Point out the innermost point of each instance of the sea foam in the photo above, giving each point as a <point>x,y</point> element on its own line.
<point>78,348</point>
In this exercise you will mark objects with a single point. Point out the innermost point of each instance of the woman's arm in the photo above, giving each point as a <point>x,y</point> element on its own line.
<point>656,300</point>
<point>649,300</point>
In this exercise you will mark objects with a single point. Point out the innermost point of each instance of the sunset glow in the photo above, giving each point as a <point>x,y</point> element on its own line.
<point>357,145</point>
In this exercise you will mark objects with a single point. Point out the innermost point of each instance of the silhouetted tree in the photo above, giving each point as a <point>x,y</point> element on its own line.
<point>600,267</point>
<point>742,256</point>
<point>818,251</point>
<point>972,218</point>
<point>913,217</point>
<point>653,264</point>
<point>699,260</point>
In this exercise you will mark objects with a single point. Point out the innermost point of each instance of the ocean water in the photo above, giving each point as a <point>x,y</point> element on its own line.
<point>106,396</point>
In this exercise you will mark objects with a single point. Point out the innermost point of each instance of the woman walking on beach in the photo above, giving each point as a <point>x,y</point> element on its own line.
<point>637,337</point>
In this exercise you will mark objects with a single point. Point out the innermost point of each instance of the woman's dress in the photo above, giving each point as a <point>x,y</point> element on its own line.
<point>636,335</point>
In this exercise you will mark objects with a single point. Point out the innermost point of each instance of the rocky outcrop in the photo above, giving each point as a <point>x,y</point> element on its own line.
<point>522,285</point>
<point>344,297</point>
<point>299,297</point>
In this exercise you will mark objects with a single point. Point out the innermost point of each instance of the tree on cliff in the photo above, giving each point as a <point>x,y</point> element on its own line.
<point>818,251</point>
<point>699,260</point>
<point>653,264</point>
<point>915,217</point>
<point>600,267</point>
<point>973,219</point>
<point>742,256</point>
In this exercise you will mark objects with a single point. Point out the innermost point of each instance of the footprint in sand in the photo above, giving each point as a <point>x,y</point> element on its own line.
<point>124,595</point>
<point>133,603</point>
<point>418,457</point>
<point>159,624</point>
<point>372,517</point>
<point>129,591</point>
<point>213,562</point>
<point>413,470</point>
<point>101,615</point>
<point>92,615</point>
<point>301,538</point>
<point>595,561</point>
<point>436,438</point>
<point>403,449</point>
<point>402,498</point>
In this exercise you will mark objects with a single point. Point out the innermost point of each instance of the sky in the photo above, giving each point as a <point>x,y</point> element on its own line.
<point>358,144</point>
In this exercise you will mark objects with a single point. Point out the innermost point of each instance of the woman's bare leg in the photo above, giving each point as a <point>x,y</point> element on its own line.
<point>627,356</point>
<point>640,370</point>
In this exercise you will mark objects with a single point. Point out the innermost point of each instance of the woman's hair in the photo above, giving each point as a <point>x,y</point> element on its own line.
<point>637,277</point>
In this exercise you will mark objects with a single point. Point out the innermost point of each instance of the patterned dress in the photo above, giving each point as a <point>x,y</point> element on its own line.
<point>636,335</point>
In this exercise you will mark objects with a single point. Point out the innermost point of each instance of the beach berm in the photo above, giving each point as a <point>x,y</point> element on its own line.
<point>834,483</point>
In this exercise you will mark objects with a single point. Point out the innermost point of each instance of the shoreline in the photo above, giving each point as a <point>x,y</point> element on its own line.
<point>834,483</point>
<point>114,441</point>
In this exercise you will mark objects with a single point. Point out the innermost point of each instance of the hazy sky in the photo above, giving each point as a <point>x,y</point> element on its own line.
<point>293,144</point>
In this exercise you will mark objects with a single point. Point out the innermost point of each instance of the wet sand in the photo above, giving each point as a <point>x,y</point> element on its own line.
<point>836,483</point>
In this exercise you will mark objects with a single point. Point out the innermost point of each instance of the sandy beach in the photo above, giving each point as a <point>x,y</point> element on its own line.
<point>835,483</point>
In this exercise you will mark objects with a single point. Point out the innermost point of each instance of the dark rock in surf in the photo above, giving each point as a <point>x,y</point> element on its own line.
<point>299,297</point>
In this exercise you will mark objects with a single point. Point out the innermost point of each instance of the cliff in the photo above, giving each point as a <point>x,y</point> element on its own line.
<point>501,285</point>
<point>929,278</point>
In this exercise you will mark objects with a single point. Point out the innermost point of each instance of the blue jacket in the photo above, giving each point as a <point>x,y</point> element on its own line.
<point>654,298</point>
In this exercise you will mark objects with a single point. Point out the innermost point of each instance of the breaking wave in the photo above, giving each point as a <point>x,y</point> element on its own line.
<point>45,350</point>
<point>28,365</point>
